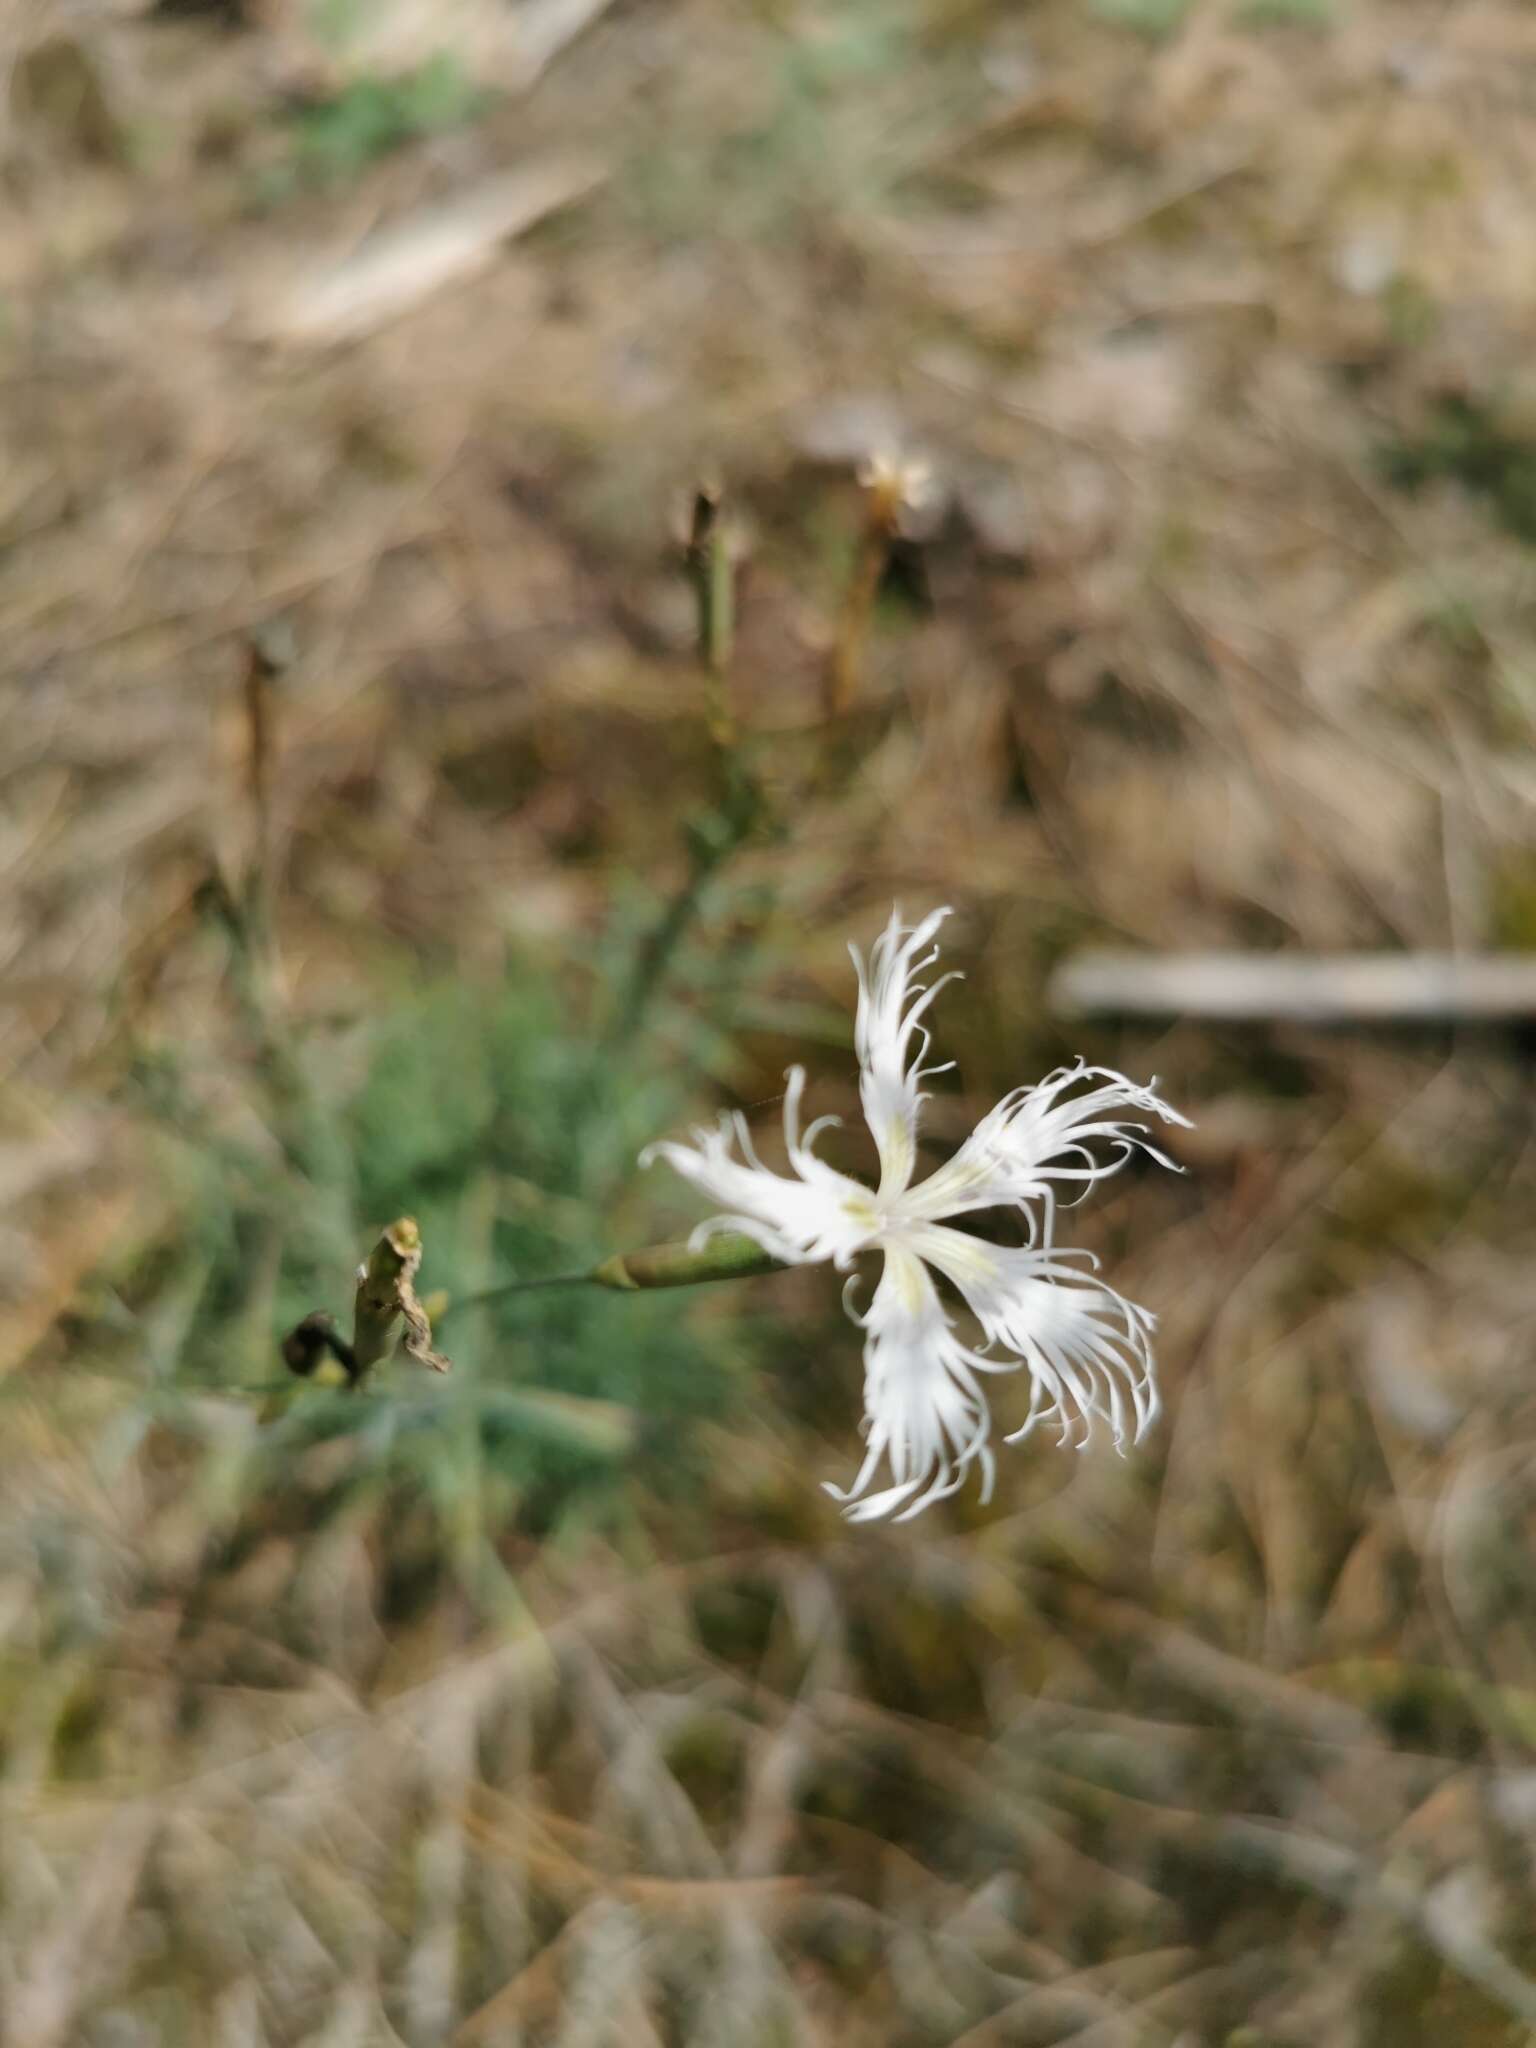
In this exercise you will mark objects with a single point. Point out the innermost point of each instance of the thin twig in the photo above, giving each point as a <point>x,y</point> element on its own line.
<point>267,655</point>
<point>713,840</point>
<point>712,572</point>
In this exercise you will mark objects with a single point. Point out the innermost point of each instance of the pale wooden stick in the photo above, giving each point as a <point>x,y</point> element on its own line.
<point>1303,988</point>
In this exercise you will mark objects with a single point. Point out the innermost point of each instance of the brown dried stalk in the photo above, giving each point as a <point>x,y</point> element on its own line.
<point>385,1311</point>
<point>712,571</point>
<point>892,489</point>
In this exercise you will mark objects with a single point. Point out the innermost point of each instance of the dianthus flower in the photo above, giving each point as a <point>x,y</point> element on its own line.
<point>1085,1349</point>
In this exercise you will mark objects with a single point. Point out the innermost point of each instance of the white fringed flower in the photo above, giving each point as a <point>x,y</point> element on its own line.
<point>1086,1349</point>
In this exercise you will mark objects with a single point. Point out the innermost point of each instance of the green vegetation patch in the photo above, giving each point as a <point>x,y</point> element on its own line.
<point>1468,442</point>
<point>335,140</point>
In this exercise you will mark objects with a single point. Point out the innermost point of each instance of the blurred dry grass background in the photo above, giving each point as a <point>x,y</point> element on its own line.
<point>558,1706</point>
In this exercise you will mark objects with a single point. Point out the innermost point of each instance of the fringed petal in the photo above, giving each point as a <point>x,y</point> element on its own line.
<point>1039,1138</point>
<point>1087,1350</point>
<point>803,1217</point>
<point>926,1419</point>
<point>892,1042</point>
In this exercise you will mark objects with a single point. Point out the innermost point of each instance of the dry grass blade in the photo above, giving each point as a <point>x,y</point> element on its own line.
<point>546,27</point>
<point>400,266</point>
<point>60,1973</point>
<point>533,1993</point>
<point>1114,2003</point>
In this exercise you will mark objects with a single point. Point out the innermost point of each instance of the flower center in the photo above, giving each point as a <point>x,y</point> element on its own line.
<point>863,1212</point>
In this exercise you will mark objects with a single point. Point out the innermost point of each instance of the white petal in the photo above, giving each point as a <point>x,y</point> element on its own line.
<point>811,1214</point>
<point>1087,1350</point>
<point>1037,1137</point>
<point>926,1418</point>
<point>891,1005</point>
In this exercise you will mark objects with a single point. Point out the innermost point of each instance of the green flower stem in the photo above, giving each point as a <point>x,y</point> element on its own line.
<point>727,1257</point>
